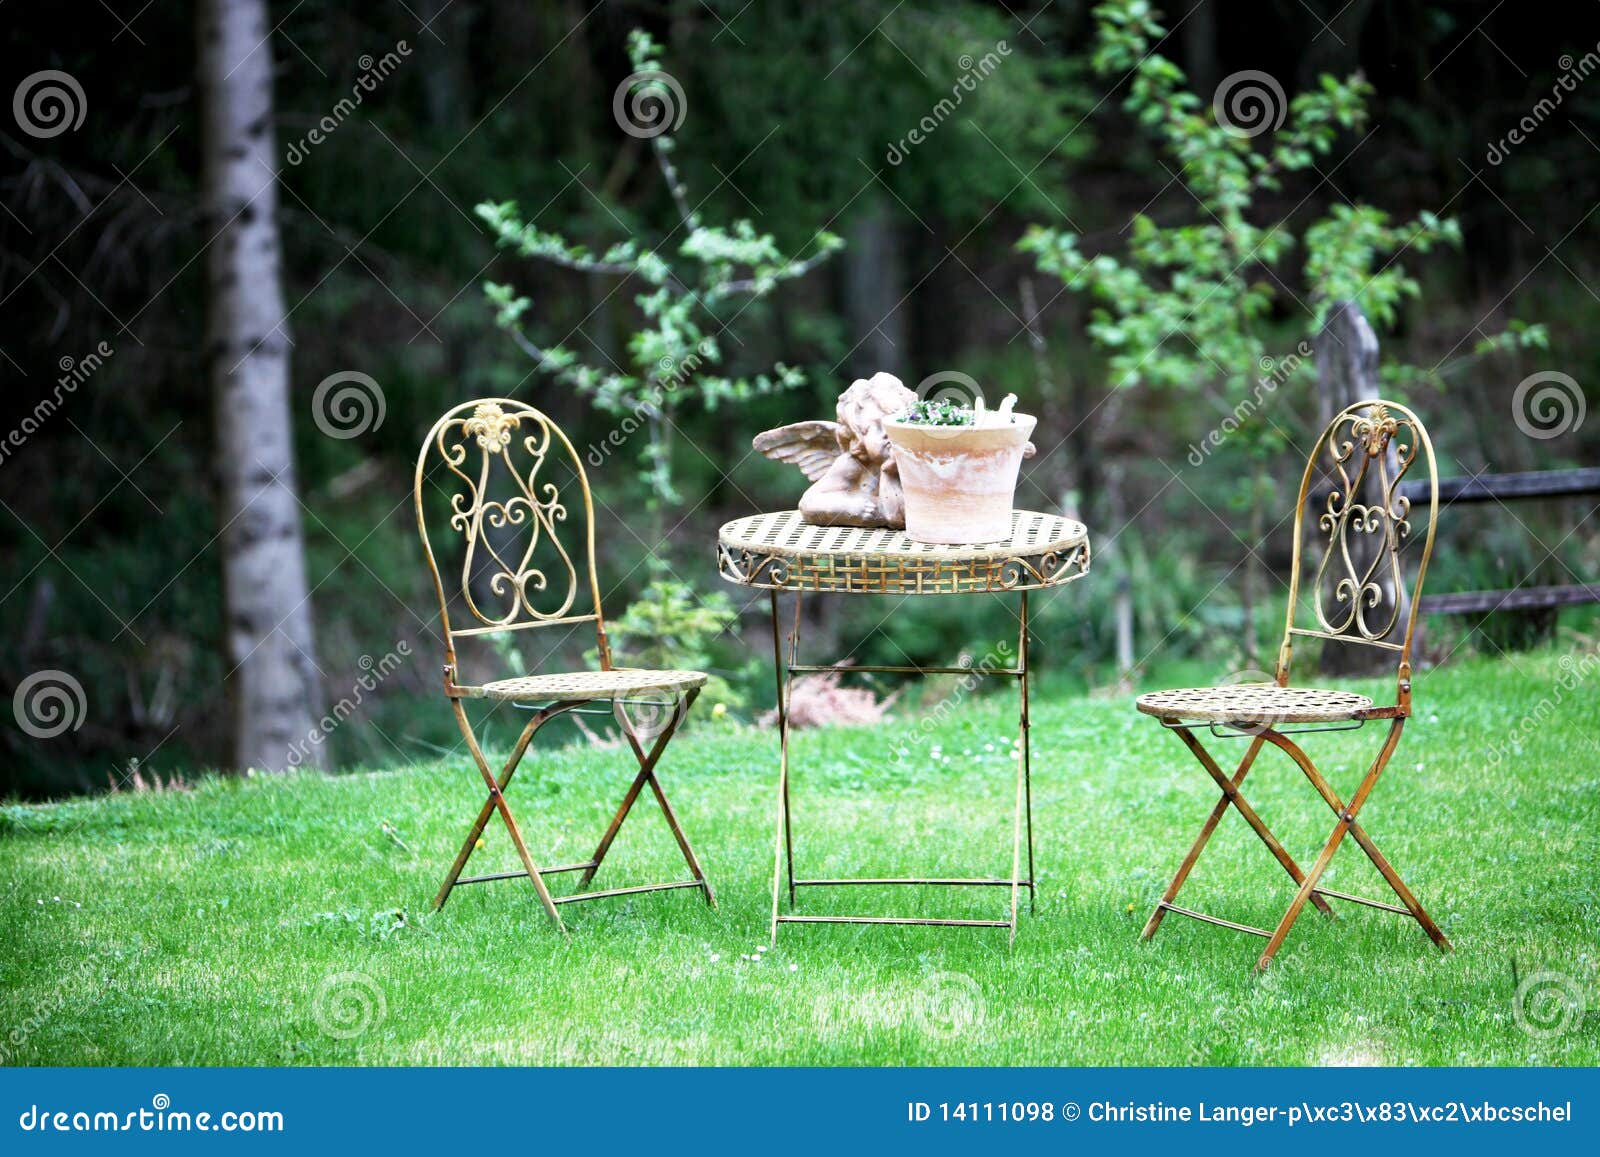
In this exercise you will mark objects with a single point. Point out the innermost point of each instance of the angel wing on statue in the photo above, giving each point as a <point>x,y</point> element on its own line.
<point>849,463</point>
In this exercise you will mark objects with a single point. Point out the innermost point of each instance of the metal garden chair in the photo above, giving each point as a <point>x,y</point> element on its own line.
<point>515,560</point>
<point>1358,598</point>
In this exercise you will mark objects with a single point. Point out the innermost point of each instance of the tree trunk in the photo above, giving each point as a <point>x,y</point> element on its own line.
<point>1200,46</point>
<point>442,49</point>
<point>272,674</point>
<point>1347,372</point>
<point>874,273</point>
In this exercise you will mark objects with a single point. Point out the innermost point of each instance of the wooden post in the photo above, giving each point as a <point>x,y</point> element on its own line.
<point>1347,372</point>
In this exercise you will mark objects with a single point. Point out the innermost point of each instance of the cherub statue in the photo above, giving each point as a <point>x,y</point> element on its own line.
<point>850,464</point>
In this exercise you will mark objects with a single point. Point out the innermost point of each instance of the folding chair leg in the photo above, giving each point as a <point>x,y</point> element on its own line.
<point>683,841</point>
<point>611,830</point>
<point>1230,798</point>
<point>497,800</point>
<point>1381,862</point>
<point>539,719</point>
<point>1307,891</point>
<point>1199,845</point>
<point>647,775</point>
<point>1347,823</point>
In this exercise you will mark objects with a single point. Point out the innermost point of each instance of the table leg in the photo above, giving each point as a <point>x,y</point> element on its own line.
<point>785,662</point>
<point>783,844</point>
<point>788,811</point>
<point>1027,757</point>
<point>1022,804</point>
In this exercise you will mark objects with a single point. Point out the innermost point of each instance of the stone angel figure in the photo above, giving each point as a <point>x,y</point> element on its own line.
<point>849,463</point>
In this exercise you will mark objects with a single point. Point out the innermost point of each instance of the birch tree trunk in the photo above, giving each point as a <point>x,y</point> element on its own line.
<point>272,674</point>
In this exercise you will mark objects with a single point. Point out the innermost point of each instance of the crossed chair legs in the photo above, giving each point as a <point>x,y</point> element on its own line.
<point>497,802</point>
<point>1309,887</point>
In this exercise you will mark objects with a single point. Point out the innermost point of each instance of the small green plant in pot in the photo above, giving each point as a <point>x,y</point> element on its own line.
<point>958,467</point>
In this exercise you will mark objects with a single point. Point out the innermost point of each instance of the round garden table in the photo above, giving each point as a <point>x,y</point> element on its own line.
<point>779,552</point>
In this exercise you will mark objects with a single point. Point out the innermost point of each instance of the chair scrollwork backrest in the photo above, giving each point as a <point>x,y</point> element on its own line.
<point>513,483</point>
<point>1351,507</point>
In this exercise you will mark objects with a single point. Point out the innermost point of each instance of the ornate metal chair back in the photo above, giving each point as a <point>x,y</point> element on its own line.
<point>513,483</point>
<point>1352,514</point>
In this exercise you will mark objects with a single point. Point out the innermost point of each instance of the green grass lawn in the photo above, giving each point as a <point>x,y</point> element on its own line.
<point>287,920</point>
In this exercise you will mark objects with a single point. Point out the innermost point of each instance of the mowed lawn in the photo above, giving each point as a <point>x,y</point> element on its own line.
<point>287,921</point>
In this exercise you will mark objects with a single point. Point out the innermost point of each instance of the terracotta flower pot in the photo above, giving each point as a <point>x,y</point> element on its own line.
<point>960,482</point>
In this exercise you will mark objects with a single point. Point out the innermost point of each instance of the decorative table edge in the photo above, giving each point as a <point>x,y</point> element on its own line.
<point>917,569</point>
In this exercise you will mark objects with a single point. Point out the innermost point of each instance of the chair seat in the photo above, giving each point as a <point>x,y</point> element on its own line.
<point>1255,703</point>
<point>590,685</point>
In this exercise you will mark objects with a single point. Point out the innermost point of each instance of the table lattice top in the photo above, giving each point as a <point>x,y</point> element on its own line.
<point>779,551</point>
